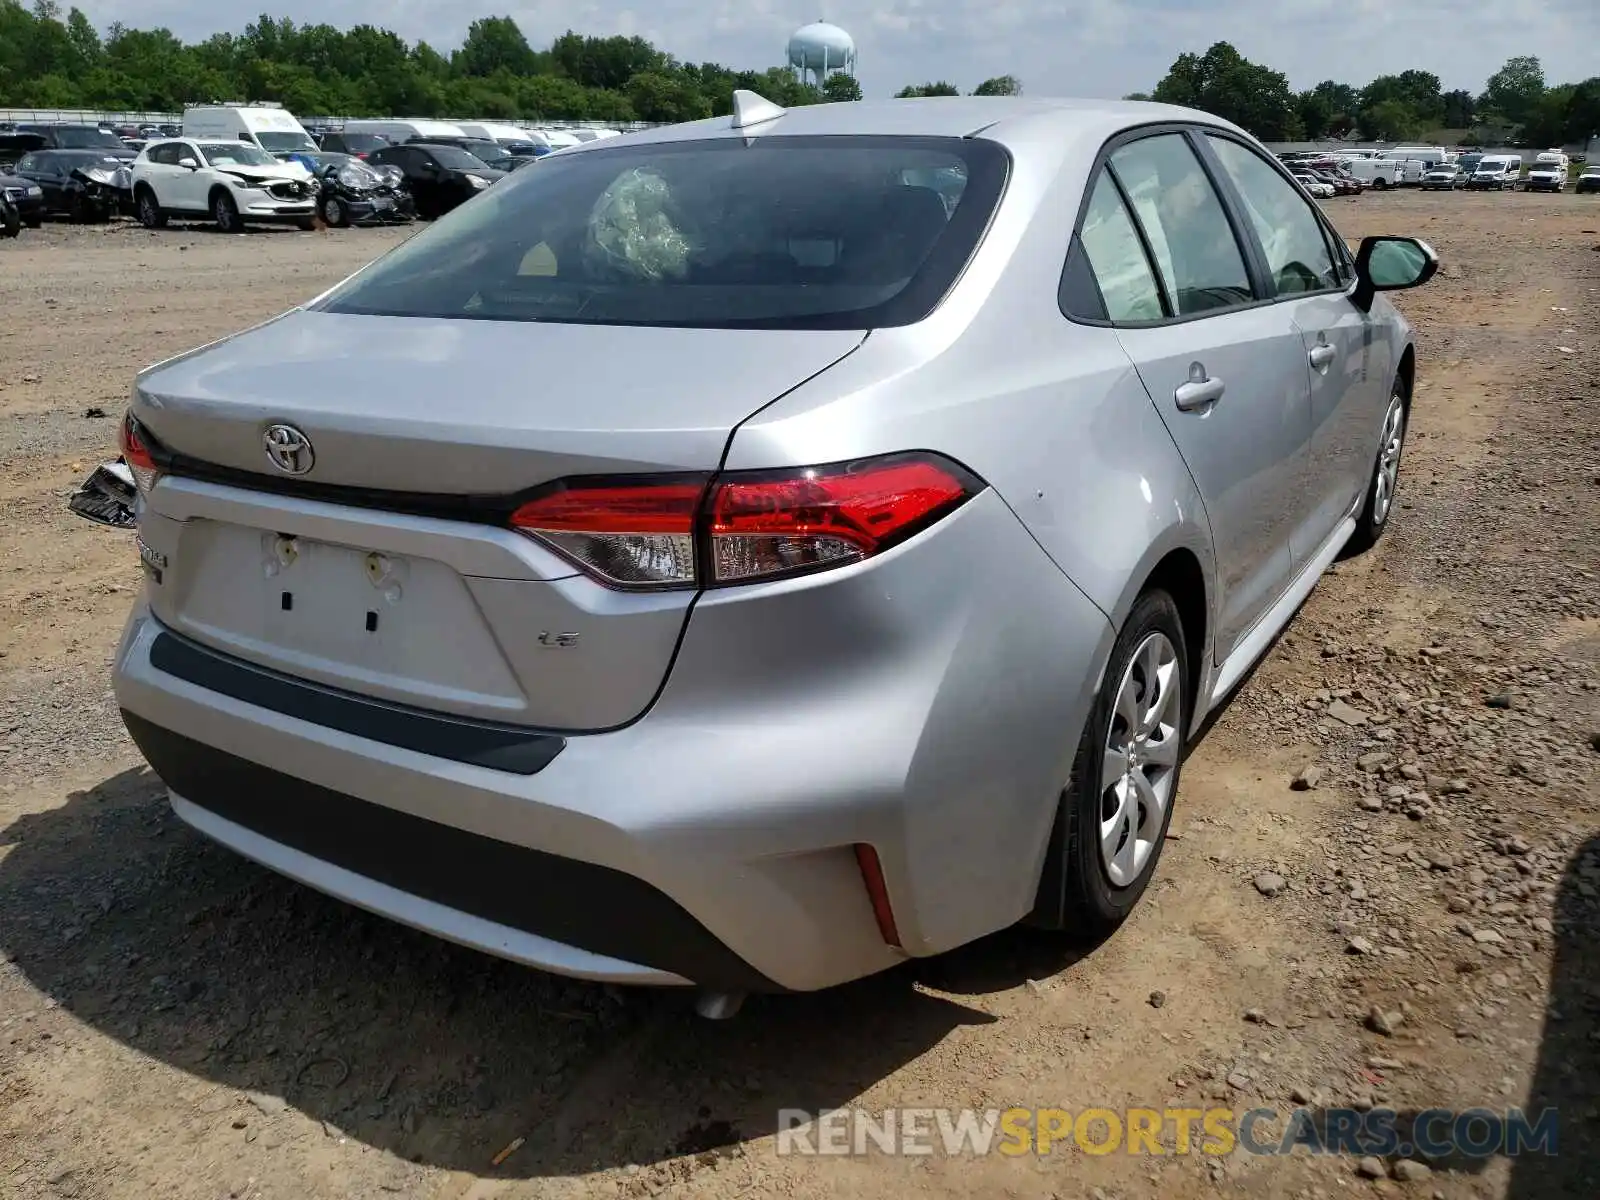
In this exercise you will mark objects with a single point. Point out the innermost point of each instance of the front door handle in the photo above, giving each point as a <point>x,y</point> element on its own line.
<point>1202,390</point>
<point>1322,356</point>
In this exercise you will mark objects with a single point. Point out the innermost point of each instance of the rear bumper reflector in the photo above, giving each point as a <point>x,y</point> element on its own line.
<point>877,892</point>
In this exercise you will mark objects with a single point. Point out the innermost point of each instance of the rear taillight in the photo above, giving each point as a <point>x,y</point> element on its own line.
<point>136,453</point>
<point>743,526</point>
<point>624,534</point>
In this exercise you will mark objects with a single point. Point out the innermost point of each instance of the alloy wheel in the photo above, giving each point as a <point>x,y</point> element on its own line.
<point>1140,760</point>
<point>1387,477</point>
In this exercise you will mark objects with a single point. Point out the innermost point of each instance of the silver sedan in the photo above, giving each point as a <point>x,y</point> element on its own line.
<point>866,505</point>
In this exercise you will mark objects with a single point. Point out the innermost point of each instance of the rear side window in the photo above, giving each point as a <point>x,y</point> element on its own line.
<point>1201,265</point>
<point>1128,288</point>
<point>844,232</point>
<point>1292,238</point>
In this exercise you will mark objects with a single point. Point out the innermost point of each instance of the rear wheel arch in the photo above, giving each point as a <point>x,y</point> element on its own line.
<point>1181,576</point>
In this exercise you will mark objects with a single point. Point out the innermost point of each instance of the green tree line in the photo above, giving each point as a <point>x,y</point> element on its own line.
<point>48,60</point>
<point>1516,103</point>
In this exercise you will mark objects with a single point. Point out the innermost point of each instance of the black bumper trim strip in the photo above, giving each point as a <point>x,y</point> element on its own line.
<point>511,748</point>
<point>579,904</point>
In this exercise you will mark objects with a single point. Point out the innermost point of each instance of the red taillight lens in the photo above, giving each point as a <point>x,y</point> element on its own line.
<point>757,525</point>
<point>136,453</point>
<point>626,534</point>
<point>825,516</point>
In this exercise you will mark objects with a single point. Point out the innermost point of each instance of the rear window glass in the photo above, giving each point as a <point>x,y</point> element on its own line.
<point>81,137</point>
<point>785,232</point>
<point>453,158</point>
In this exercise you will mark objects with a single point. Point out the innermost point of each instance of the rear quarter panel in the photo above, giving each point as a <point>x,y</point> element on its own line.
<point>1051,414</point>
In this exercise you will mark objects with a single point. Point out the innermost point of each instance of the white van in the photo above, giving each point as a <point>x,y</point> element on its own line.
<point>1377,173</point>
<point>1497,172</point>
<point>404,131</point>
<point>1548,172</point>
<point>1433,156</point>
<point>270,126</point>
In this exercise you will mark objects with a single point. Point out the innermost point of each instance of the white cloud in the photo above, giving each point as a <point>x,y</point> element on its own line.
<point>1056,47</point>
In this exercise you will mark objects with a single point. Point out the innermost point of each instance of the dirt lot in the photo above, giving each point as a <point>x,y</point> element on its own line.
<point>175,1022</point>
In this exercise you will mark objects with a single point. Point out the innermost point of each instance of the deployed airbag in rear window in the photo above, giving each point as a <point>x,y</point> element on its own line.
<point>785,232</point>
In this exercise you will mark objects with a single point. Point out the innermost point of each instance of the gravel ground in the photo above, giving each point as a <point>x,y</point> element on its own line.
<point>1382,890</point>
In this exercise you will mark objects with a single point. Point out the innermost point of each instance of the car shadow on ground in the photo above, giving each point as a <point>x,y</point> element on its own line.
<point>1566,1076</point>
<point>186,953</point>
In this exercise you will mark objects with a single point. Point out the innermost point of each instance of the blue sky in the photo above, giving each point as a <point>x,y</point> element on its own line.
<point>1056,47</point>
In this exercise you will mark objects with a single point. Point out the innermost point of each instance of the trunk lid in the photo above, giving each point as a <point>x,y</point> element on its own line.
<point>463,407</point>
<point>446,615</point>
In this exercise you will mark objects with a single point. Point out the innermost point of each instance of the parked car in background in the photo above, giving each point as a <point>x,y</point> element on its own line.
<point>63,136</point>
<point>1341,182</point>
<point>1589,180</point>
<point>1547,173</point>
<point>83,185</point>
<point>25,197</point>
<point>398,131</point>
<point>546,670</point>
<point>234,183</point>
<point>439,177</point>
<point>1377,173</point>
<point>558,139</point>
<point>1496,172</point>
<point>268,126</point>
<point>1451,175</point>
<point>1315,186</point>
<point>482,149</point>
<point>14,145</point>
<point>511,138</point>
<point>594,134</point>
<point>10,219</point>
<point>343,141</point>
<point>350,192</point>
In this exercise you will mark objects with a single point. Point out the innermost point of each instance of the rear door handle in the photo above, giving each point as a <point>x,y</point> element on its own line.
<point>1322,356</point>
<point>1201,391</point>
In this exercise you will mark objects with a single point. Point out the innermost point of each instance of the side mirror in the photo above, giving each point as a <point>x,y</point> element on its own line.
<point>189,164</point>
<point>1391,264</point>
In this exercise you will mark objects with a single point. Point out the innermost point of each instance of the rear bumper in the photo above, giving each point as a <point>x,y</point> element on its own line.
<point>926,703</point>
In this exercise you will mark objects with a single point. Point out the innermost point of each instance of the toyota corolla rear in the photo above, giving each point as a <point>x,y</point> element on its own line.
<point>510,656</point>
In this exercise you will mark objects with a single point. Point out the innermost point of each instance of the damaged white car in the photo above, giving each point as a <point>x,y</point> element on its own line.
<point>231,183</point>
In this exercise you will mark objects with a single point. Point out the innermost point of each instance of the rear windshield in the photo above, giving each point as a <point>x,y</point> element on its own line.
<point>786,232</point>
<point>81,137</point>
<point>363,143</point>
<point>280,142</point>
<point>454,158</point>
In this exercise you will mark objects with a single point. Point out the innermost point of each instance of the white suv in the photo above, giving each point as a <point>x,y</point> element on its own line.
<point>231,182</point>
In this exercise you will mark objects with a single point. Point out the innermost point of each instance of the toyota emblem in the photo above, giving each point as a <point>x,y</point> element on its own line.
<point>288,449</point>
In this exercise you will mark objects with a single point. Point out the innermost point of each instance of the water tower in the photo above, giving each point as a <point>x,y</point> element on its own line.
<point>817,51</point>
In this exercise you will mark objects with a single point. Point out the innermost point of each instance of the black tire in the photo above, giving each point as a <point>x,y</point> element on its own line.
<point>148,209</point>
<point>1375,512</point>
<point>225,212</point>
<point>1076,890</point>
<point>334,212</point>
<point>1380,183</point>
